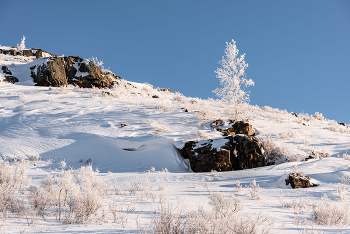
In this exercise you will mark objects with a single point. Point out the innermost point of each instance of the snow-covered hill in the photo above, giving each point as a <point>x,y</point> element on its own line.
<point>141,163</point>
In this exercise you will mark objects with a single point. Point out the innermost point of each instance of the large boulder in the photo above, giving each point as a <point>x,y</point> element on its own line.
<point>224,154</point>
<point>247,152</point>
<point>204,157</point>
<point>298,180</point>
<point>51,73</point>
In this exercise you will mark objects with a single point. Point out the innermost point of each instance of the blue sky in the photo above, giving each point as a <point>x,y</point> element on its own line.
<point>298,51</point>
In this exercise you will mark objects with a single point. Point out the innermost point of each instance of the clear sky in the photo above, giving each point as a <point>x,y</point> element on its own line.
<point>298,51</point>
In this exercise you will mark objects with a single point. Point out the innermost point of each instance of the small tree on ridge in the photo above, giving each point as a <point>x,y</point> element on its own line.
<point>232,78</point>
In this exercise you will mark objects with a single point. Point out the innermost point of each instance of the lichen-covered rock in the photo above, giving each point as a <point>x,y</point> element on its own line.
<point>298,180</point>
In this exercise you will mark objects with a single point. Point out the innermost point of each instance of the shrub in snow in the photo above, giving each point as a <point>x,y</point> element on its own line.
<point>341,192</point>
<point>75,193</point>
<point>287,135</point>
<point>232,78</point>
<point>331,214</point>
<point>171,220</point>
<point>273,153</point>
<point>224,207</point>
<point>254,190</point>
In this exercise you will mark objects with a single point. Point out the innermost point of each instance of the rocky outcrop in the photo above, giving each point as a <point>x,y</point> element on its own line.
<point>233,128</point>
<point>204,157</point>
<point>51,73</point>
<point>247,152</point>
<point>59,71</point>
<point>224,154</point>
<point>298,180</point>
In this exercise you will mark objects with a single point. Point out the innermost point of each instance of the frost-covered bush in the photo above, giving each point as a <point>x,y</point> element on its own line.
<point>287,135</point>
<point>13,179</point>
<point>76,194</point>
<point>331,214</point>
<point>171,220</point>
<point>223,207</point>
<point>254,190</point>
<point>273,153</point>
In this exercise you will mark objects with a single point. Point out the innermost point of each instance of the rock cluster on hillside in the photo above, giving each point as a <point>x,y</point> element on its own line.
<point>55,71</point>
<point>233,152</point>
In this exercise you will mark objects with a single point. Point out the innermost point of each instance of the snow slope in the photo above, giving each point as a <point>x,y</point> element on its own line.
<point>82,126</point>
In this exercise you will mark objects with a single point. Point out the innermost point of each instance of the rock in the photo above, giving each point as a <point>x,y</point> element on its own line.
<point>342,124</point>
<point>204,158</point>
<point>52,74</point>
<point>123,125</point>
<point>217,123</point>
<point>247,152</point>
<point>6,70</point>
<point>27,53</point>
<point>298,180</point>
<point>64,70</point>
<point>234,153</point>
<point>238,127</point>
<point>295,114</point>
<point>155,96</point>
<point>39,54</point>
<point>13,52</point>
<point>165,90</point>
<point>11,79</point>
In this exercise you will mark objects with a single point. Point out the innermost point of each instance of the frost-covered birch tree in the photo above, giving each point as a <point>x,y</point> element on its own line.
<point>22,46</point>
<point>232,78</point>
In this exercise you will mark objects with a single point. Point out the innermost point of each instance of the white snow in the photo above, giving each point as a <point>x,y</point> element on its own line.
<point>84,125</point>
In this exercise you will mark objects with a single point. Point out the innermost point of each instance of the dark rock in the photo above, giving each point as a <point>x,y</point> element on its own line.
<point>247,152</point>
<point>69,67</point>
<point>27,53</point>
<point>62,71</point>
<point>238,127</point>
<point>123,125</point>
<point>235,153</point>
<point>11,79</point>
<point>83,67</point>
<point>94,77</point>
<point>204,158</point>
<point>155,96</point>
<point>6,70</point>
<point>217,123</point>
<point>165,90</point>
<point>39,54</point>
<point>342,124</point>
<point>52,74</point>
<point>298,180</point>
<point>13,52</point>
<point>106,94</point>
<point>295,114</point>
